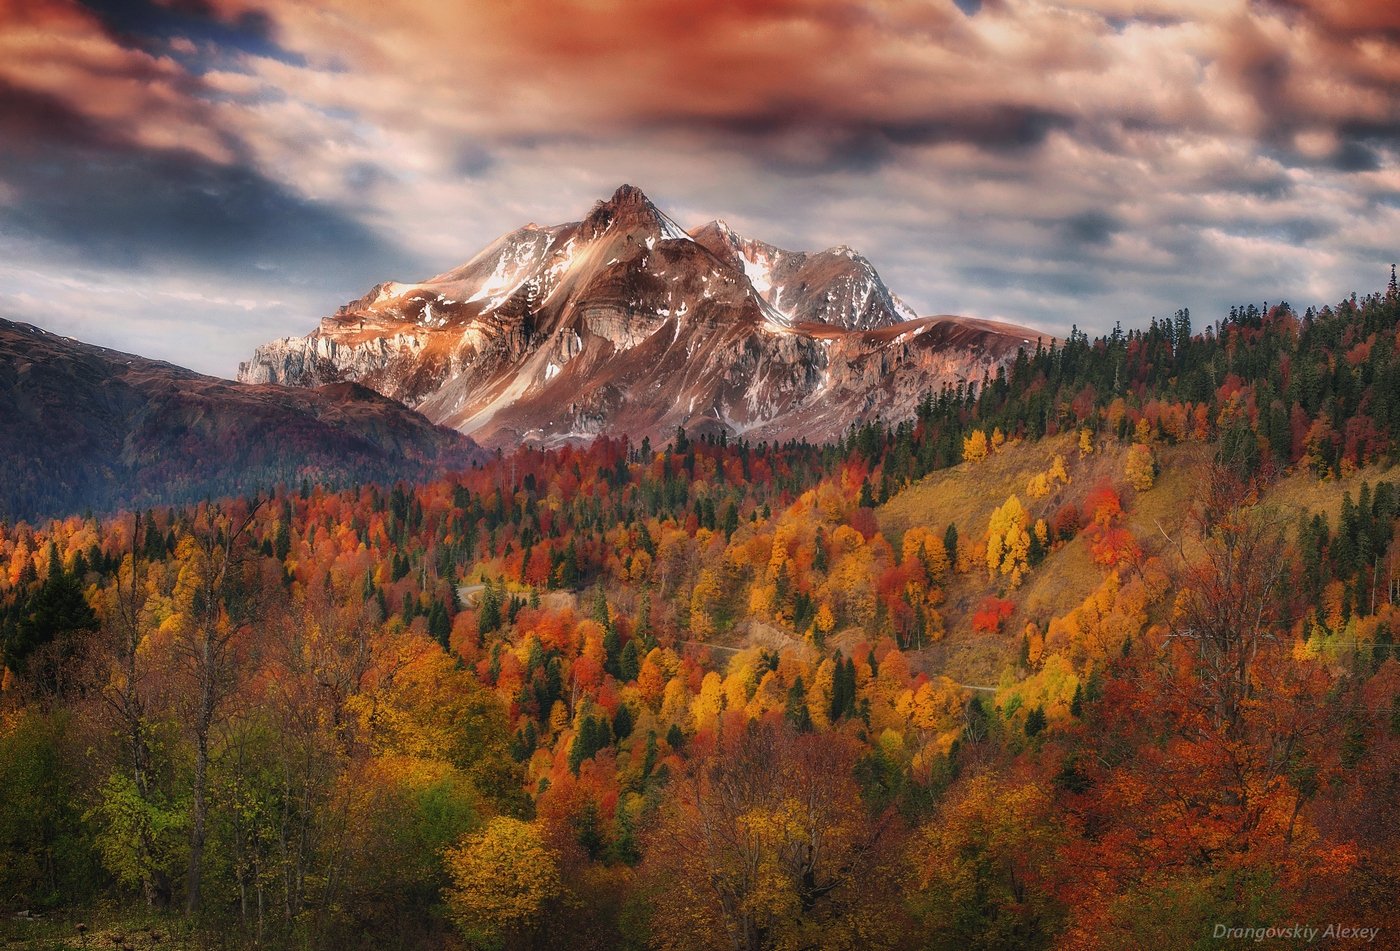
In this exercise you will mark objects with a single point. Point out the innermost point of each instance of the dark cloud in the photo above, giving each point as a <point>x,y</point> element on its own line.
<point>142,22</point>
<point>1356,157</point>
<point>1343,18</point>
<point>1269,183</point>
<point>1090,227</point>
<point>787,141</point>
<point>142,211</point>
<point>1293,230</point>
<point>1037,280</point>
<point>30,120</point>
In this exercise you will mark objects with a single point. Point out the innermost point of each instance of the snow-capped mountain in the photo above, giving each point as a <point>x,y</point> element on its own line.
<point>623,322</point>
<point>836,286</point>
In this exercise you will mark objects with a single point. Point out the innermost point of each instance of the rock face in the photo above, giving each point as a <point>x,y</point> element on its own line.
<point>82,427</point>
<point>625,323</point>
<point>836,286</point>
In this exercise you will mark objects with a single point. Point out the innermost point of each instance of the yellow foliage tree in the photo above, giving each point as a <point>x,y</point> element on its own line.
<point>926,546</point>
<point>702,603</point>
<point>1043,483</point>
<point>651,681</point>
<point>763,598</point>
<point>1086,442</point>
<point>1035,644</point>
<point>937,704</point>
<point>710,702</point>
<point>1139,468</point>
<point>558,717</point>
<point>1008,541</point>
<point>503,878</point>
<point>819,694</point>
<point>675,701</point>
<point>975,446</point>
<point>986,849</point>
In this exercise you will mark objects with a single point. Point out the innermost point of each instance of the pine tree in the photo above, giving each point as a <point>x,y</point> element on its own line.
<point>675,738</point>
<point>57,611</point>
<point>488,616</point>
<point>612,652</point>
<point>628,662</point>
<point>439,624</point>
<point>797,713</point>
<point>622,722</point>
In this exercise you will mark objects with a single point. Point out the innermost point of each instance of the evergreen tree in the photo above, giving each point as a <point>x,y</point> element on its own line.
<point>439,624</point>
<point>675,739</point>
<point>797,713</point>
<point>55,614</point>
<point>628,663</point>
<point>488,616</point>
<point>1035,721</point>
<point>622,722</point>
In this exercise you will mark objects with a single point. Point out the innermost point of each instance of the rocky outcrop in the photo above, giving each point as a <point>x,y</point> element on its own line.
<point>836,286</point>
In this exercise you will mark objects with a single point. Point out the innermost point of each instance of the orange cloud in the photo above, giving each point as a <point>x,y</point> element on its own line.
<point>56,56</point>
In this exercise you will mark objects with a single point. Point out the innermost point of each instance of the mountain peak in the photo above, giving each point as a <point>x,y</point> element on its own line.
<point>631,208</point>
<point>629,195</point>
<point>716,233</point>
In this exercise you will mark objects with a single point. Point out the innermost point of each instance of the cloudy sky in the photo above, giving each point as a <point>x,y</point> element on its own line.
<point>188,178</point>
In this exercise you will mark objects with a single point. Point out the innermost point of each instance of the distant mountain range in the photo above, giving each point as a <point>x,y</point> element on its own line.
<point>82,427</point>
<point>626,323</point>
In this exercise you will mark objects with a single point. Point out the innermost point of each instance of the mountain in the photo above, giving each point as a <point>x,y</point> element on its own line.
<point>623,322</point>
<point>836,286</point>
<point>82,427</point>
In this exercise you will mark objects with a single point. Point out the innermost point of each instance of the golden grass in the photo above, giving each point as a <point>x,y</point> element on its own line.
<point>966,495</point>
<point>1303,491</point>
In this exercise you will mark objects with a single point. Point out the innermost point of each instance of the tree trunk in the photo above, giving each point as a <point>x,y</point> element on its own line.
<point>199,807</point>
<point>198,811</point>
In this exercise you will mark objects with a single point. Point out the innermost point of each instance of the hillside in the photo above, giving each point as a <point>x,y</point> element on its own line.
<point>1157,518</point>
<point>84,428</point>
<point>1102,650</point>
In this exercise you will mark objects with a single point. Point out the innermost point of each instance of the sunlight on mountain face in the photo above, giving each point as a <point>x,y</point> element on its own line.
<point>623,322</point>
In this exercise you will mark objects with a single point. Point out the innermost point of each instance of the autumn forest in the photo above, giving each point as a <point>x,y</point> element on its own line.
<point>1094,653</point>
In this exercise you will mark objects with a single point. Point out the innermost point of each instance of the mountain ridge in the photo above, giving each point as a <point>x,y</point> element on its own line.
<point>86,427</point>
<point>623,322</point>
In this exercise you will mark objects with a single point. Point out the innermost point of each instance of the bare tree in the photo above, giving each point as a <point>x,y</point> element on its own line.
<point>767,844</point>
<point>1233,567</point>
<point>220,595</point>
